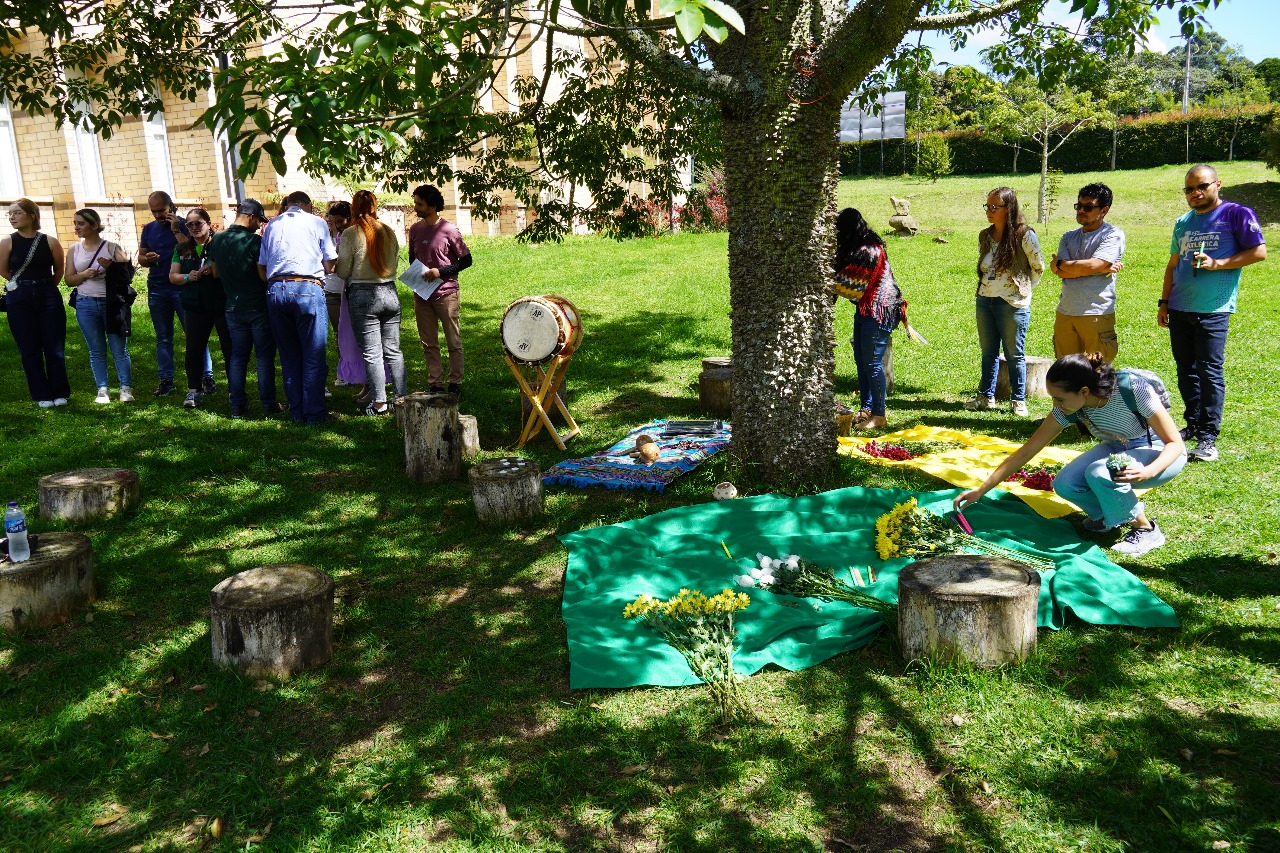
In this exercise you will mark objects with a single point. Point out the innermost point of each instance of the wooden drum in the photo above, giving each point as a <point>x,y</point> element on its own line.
<point>536,328</point>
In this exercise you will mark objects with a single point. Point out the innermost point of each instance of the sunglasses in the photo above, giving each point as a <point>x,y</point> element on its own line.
<point>1197,187</point>
<point>991,207</point>
<point>1086,207</point>
<point>196,223</point>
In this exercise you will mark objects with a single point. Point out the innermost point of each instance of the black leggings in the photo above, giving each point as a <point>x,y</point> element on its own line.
<point>200,327</point>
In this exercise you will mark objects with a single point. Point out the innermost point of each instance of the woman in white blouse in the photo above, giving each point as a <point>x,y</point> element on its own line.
<point>87,263</point>
<point>1009,266</point>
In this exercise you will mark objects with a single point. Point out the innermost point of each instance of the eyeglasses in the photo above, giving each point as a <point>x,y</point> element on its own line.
<point>1198,188</point>
<point>991,207</point>
<point>1086,207</point>
<point>195,223</point>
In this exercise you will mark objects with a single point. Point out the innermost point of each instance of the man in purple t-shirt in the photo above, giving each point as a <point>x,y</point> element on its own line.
<point>1212,242</point>
<point>438,244</point>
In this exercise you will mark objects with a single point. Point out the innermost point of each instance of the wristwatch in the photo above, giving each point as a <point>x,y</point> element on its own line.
<point>1162,303</point>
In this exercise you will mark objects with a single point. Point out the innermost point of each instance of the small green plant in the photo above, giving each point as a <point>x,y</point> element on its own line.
<point>935,157</point>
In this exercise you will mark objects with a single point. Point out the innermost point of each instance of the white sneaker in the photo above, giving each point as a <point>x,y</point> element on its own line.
<point>1020,409</point>
<point>980,403</point>
<point>45,404</point>
<point>1139,541</point>
<point>126,393</point>
<point>59,401</point>
<point>104,396</point>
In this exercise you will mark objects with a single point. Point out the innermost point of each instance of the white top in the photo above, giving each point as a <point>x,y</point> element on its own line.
<point>79,260</point>
<point>1001,283</point>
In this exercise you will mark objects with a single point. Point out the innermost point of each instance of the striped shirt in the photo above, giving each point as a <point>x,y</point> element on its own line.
<point>1114,420</point>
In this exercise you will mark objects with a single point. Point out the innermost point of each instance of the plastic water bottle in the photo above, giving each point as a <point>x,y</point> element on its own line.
<point>15,528</point>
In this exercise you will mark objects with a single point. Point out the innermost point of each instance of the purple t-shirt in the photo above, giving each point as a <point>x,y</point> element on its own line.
<point>1224,231</point>
<point>437,245</point>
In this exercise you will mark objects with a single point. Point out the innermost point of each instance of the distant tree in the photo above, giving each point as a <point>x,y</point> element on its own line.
<point>1269,70</point>
<point>934,158</point>
<point>1239,88</point>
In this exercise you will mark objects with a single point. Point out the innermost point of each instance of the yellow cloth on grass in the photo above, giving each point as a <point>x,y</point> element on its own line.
<point>968,466</point>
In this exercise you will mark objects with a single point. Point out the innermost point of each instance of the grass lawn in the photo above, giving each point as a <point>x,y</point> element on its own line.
<point>445,721</point>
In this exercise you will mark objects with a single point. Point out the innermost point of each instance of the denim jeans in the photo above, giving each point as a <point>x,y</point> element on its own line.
<point>251,330</point>
<point>999,323</point>
<point>38,321</point>
<point>165,302</point>
<point>91,315</point>
<point>1199,344</point>
<point>375,320</point>
<point>1086,482</point>
<point>870,339</point>
<point>300,323</point>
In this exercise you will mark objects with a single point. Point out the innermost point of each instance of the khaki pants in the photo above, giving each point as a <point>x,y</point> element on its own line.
<point>440,313</point>
<point>1091,333</point>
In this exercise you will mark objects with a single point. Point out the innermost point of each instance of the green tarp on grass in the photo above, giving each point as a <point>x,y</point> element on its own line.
<point>610,566</point>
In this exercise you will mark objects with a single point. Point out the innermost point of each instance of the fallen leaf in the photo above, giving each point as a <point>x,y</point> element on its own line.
<point>986,787</point>
<point>943,773</point>
<point>210,707</point>
<point>1186,753</point>
<point>263,685</point>
<point>1165,812</point>
<point>196,688</point>
<point>1220,845</point>
<point>107,820</point>
<point>204,750</point>
<point>1229,752</point>
<point>957,720</point>
<point>252,712</point>
<point>1111,755</point>
<point>124,690</point>
<point>130,613</point>
<point>215,827</point>
<point>155,736</point>
<point>169,680</point>
<point>597,706</point>
<point>633,769</point>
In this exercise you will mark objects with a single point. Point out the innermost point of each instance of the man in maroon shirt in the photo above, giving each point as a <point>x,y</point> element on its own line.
<point>438,244</point>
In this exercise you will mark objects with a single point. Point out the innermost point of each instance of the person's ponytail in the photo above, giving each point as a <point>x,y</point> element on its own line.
<point>1084,370</point>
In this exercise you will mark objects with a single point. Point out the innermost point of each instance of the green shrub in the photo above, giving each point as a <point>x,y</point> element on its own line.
<point>935,158</point>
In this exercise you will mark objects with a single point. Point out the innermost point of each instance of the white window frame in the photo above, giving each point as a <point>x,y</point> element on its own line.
<point>10,168</point>
<point>92,183</point>
<point>157,138</point>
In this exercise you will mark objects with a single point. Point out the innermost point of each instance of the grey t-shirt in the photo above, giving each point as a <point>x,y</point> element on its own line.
<point>1090,294</point>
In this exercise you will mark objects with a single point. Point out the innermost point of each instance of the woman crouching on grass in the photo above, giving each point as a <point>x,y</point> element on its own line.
<point>1086,389</point>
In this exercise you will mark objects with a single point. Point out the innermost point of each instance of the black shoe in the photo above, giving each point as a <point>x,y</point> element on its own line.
<point>275,408</point>
<point>208,386</point>
<point>436,389</point>
<point>239,413</point>
<point>371,409</point>
<point>193,400</point>
<point>456,388</point>
<point>1206,449</point>
<point>1187,434</point>
<point>165,388</point>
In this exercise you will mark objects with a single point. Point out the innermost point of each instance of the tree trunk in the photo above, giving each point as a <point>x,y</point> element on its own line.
<point>1042,202</point>
<point>780,170</point>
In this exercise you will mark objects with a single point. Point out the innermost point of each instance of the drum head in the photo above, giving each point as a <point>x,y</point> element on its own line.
<point>531,329</point>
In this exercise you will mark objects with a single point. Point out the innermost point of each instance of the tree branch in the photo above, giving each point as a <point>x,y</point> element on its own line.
<point>977,15</point>
<point>642,50</point>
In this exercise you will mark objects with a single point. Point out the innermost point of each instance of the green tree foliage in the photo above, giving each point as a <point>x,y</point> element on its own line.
<point>1269,70</point>
<point>935,157</point>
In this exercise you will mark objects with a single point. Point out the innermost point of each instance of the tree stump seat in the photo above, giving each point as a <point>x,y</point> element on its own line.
<point>88,493</point>
<point>49,587</point>
<point>1037,372</point>
<point>470,436</point>
<point>432,437</point>
<point>974,608</point>
<point>506,490</point>
<point>715,387</point>
<point>272,621</point>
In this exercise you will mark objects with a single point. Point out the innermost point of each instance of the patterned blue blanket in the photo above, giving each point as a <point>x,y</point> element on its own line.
<point>615,469</point>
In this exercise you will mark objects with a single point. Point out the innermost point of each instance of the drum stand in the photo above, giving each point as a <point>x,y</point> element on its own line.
<point>548,378</point>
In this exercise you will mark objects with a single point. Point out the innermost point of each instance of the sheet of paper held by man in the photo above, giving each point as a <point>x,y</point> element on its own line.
<point>415,277</point>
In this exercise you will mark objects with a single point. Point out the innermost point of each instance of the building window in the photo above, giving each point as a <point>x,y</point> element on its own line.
<point>90,160</point>
<point>157,135</point>
<point>10,173</point>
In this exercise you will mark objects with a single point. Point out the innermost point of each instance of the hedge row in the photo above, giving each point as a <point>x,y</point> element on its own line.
<point>1140,143</point>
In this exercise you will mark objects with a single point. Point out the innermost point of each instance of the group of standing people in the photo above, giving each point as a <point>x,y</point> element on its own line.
<point>1123,409</point>
<point>260,285</point>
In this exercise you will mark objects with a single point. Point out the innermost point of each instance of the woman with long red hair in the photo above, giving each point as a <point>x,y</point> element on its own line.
<point>367,256</point>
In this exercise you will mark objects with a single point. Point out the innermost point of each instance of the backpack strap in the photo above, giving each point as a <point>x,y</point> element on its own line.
<point>1125,384</point>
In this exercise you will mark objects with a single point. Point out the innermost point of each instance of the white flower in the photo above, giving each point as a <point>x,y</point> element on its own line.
<point>766,563</point>
<point>756,573</point>
<point>745,580</point>
<point>766,580</point>
<point>793,562</point>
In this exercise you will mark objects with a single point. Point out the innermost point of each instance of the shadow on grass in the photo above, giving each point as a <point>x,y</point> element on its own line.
<point>1263,197</point>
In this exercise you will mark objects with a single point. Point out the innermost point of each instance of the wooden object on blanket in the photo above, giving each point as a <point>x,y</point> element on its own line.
<point>715,387</point>
<point>541,388</point>
<point>470,436</point>
<point>977,609</point>
<point>45,589</point>
<point>432,437</point>
<point>272,621</point>
<point>1037,370</point>
<point>506,490</point>
<point>88,493</point>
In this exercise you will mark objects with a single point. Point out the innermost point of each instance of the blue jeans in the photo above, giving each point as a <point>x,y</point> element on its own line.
<point>91,315</point>
<point>1087,483</point>
<point>870,339</point>
<point>164,302</point>
<point>299,321</point>
<point>999,323</point>
<point>375,321</point>
<point>1199,344</point>
<point>251,330</point>
<point>38,321</point>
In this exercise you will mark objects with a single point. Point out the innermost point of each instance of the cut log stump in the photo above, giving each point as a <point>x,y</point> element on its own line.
<point>887,363</point>
<point>470,436</point>
<point>506,490</point>
<point>715,387</point>
<point>1037,370</point>
<point>273,621</point>
<point>50,586</point>
<point>432,437</point>
<point>88,493</point>
<point>967,607</point>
